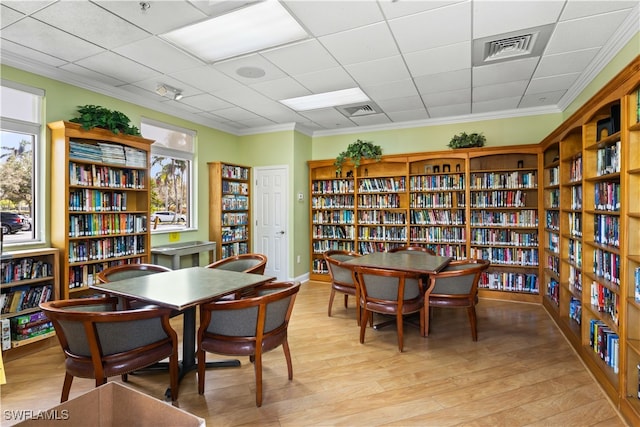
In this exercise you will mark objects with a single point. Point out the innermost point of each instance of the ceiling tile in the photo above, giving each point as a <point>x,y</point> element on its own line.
<point>564,63</point>
<point>379,71</point>
<point>361,45</point>
<point>206,78</point>
<point>281,88</point>
<point>259,121</point>
<point>580,8</point>
<point>497,91</point>
<point>440,59</point>
<point>371,119</point>
<point>300,58</point>
<point>206,102</point>
<point>341,16</point>
<point>91,23</point>
<point>552,83</point>
<point>23,52</point>
<point>401,104</point>
<point>425,30</point>
<point>541,99</point>
<point>236,114</point>
<point>454,97</point>
<point>450,110</point>
<point>497,17</point>
<point>507,71</point>
<point>159,55</point>
<point>241,96</point>
<point>9,16</point>
<point>442,82</point>
<point>91,75</point>
<point>391,90</point>
<point>501,104</point>
<point>27,7</point>
<point>151,85</point>
<point>395,9</point>
<point>328,117</point>
<point>230,68</point>
<point>326,80</point>
<point>408,115</point>
<point>118,66</point>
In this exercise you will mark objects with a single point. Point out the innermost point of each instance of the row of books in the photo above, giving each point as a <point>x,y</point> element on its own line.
<point>553,263</point>
<point>375,216</point>
<point>14,270</point>
<point>232,234</point>
<point>30,325</point>
<point>106,224</point>
<point>107,153</point>
<point>575,252</point>
<point>522,218</point>
<point>606,265</point>
<point>503,237</point>
<point>575,223</point>
<point>499,199</point>
<point>333,186</point>
<point>105,176</point>
<point>235,203</point>
<point>576,197</point>
<point>440,200</point>
<point>235,248</point>
<point>85,275</point>
<point>232,187</point>
<point>512,282</point>
<point>382,201</point>
<point>504,180</point>
<point>605,343</point>
<point>526,257</point>
<point>373,246</point>
<point>24,297</point>
<point>332,217</point>
<point>575,169</point>
<point>109,247</point>
<point>320,266</point>
<point>554,175</point>
<point>437,217</point>
<point>333,232</point>
<point>607,196</point>
<point>438,234</point>
<point>97,200</point>
<point>608,159</point>
<point>436,182</point>
<point>575,280</point>
<point>237,218</point>
<point>553,199</point>
<point>322,246</point>
<point>337,201</point>
<point>636,276</point>
<point>553,291</point>
<point>606,230</point>
<point>382,233</point>
<point>553,220</point>
<point>454,251</point>
<point>377,185</point>
<point>605,300</point>
<point>553,242</point>
<point>575,310</point>
<point>235,172</point>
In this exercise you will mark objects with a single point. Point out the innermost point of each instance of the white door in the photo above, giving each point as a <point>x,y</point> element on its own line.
<point>271,216</point>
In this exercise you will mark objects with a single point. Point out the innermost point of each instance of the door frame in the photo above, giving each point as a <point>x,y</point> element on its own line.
<point>285,208</point>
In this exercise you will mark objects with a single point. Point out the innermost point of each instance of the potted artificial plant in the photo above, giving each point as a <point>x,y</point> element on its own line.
<point>467,140</point>
<point>357,151</point>
<point>93,116</point>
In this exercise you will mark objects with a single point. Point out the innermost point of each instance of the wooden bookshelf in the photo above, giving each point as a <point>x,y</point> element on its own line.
<point>230,208</point>
<point>27,278</point>
<point>99,202</point>
<point>550,242</point>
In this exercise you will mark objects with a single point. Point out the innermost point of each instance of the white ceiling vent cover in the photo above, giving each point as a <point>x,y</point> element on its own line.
<point>359,110</point>
<point>514,45</point>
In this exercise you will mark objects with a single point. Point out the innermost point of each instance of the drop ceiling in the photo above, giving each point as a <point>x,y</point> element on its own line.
<point>420,62</point>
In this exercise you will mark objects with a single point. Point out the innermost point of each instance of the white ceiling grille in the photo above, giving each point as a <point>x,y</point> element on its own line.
<point>358,110</point>
<point>514,45</point>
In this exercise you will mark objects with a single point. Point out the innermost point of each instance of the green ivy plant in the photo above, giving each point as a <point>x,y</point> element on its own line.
<point>93,116</point>
<point>467,140</point>
<point>356,151</point>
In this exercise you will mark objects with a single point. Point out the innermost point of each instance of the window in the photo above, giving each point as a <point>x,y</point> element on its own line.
<point>20,153</point>
<point>171,176</point>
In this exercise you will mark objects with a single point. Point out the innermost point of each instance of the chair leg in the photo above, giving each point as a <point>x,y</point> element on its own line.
<point>422,325</point>
<point>363,322</point>
<point>331,296</point>
<point>346,300</point>
<point>258,368</point>
<point>400,328</point>
<point>125,377</point>
<point>66,387</point>
<point>287,355</point>
<point>426,316</point>
<point>202,360</point>
<point>471,311</point>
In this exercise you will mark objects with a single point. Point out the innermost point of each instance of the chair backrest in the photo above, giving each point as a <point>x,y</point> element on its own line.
<point>265,314</point>
<point>340,273</point>
<point>380,285</point>
<point>459,278</point>
<point>247,263</point>
<point>412,249</point>
<point>127,271</point>
<point>91,328</point>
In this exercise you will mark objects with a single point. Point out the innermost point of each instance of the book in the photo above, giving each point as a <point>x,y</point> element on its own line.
<point>6,334</point>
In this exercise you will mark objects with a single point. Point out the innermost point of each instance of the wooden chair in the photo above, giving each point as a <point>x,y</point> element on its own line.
<point>390,292</point>
<point>342,278</point>
<point>412,249</point>
<point>456,286</point>
<point>127,271</point>
<point>247,327</point>
<point>100,342</point>
<point>247,263</point>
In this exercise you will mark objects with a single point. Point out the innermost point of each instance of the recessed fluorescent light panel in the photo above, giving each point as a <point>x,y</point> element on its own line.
<point>263,25</point>
<point>326,100</point>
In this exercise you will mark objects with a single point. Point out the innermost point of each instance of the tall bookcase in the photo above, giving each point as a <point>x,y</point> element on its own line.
<point>550,241</point>
<point>27,278</point>
<point>100,201</point>
<point>230,208</point>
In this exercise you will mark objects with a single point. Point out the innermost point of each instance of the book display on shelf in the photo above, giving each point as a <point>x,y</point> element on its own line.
<point>100,202</point>
<point>230,204</point>
<point>27,278</point>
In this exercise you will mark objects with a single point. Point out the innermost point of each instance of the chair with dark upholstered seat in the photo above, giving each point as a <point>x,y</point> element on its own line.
<point>100,342</point>
<point>247,263</point>
<point>412,249</point>
<point>247,327</point>
<point>127,271</point>
<point>342,277</point>
<point>391,292</point>
<point>456,286</point>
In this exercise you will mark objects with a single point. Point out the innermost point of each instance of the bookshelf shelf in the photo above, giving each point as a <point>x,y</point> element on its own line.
<point>100,202</point>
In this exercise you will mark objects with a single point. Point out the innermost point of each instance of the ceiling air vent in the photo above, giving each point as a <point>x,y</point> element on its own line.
<point>514,45</point>
<point>358,110</point>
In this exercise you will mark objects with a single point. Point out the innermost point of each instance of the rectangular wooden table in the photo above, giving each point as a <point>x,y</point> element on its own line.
<point>184,290</point>
<point>418,262</point>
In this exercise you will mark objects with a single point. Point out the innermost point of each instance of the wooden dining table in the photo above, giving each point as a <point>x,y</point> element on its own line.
<point>184,290</point>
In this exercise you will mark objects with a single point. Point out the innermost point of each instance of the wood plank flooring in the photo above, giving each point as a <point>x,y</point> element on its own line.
<point>521,372</point>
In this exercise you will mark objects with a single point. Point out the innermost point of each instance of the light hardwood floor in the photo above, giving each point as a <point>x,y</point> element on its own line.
<point>521,372</point>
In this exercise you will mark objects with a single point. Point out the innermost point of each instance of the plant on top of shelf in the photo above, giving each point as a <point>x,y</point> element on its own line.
<point>93,116</point>
<point>467,140</point>
<point>356,151</point>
